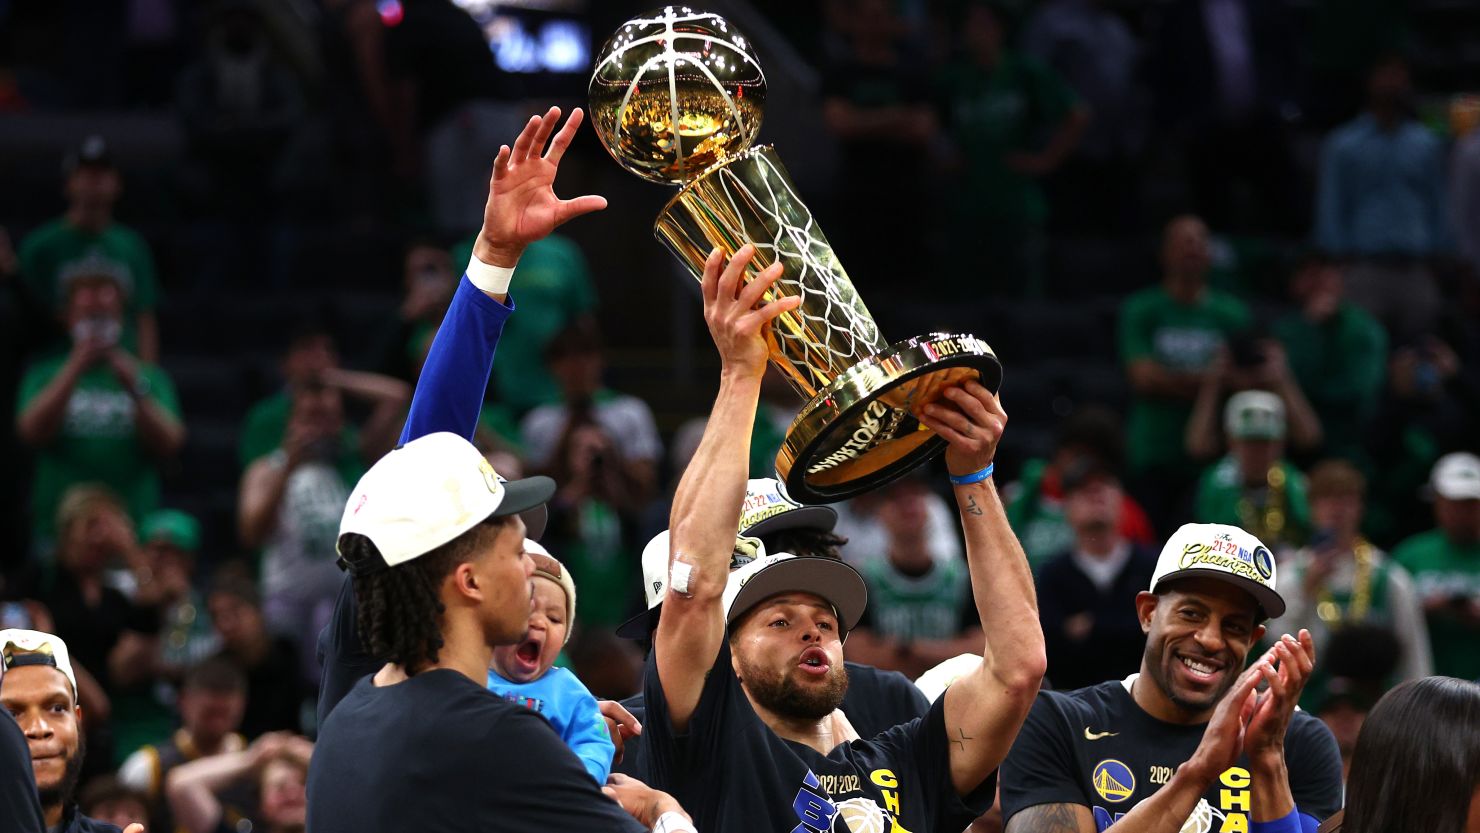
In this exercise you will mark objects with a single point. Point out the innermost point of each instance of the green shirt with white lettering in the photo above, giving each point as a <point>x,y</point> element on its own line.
<point>1441,567</point>
<point>98,441</point>
<point>1183,338</point>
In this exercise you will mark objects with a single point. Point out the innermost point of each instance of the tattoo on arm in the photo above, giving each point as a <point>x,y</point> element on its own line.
<point>971,506</point>
<point>1045,818</point>
<point>961,741</point>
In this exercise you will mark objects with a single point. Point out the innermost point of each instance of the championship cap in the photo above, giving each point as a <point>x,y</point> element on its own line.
<point>767,509</point>
<point>426,493</point>
<point>833,581</point>
<point>1225,553</point>
<point>547,566</point>
<point>19,647</point>
<point>1254,415</point>
<point>1457,476</point>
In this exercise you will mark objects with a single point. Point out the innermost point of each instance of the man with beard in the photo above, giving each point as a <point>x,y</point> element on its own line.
<point>876,699</point>
<point>39,690</point>
<point>746,674</point>
<point>1187,744</point>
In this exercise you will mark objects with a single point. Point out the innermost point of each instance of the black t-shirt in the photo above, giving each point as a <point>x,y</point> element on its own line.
<point>876,701</point>
<point>341,654</point>
<point>439,752</point>
<point>732,773</point>
<point>21,807</point>
<point>1095,747</point>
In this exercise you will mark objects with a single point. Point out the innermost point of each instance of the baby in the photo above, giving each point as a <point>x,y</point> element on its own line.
<point>524,673</point>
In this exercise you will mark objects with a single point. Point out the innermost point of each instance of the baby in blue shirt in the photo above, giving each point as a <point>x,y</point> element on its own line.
<point>524,673</point>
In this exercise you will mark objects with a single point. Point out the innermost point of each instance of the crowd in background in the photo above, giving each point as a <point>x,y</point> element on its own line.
<point>1331,410</point>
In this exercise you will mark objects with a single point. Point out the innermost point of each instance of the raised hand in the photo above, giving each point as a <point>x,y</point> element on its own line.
<point>736,322</point>
<point>522,206</point>
<point>971,421</point>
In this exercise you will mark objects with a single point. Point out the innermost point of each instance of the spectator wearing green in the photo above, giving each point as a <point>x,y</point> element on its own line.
<point>555,293</point>
<point>1169,338</point>
<point>1342,580</point>
<point>86,234</point>
<point>292,499</point>
<point>97,414</point>
<point>1338,353</point>
<point>1254,487</point>
<point>1445,563</point>
<point>1013,121</point>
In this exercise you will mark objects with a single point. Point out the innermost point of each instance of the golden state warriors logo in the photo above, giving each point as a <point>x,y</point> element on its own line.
<point>1264,563</point>
<point>1113,780</point>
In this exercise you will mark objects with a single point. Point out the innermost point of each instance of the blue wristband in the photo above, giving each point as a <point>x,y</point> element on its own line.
<point>974,477</point>
<point>1289,824</point>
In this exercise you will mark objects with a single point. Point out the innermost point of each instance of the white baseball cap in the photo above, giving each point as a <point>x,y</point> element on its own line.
<point>1457,476</point>
<point>20,647</point>
<point>1254,415</point>
<point>1222,552</point>
<point>426,493</point>
<point>767,509</point>
<point>834,581</point>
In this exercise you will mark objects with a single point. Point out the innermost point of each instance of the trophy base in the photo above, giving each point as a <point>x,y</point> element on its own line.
<point>861,432</point>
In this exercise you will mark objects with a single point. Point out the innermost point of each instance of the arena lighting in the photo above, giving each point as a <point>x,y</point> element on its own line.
<point>534,36</point>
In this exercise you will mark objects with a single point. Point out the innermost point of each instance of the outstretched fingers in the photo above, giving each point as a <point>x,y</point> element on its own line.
<point>501,163</point>
<point>564,137</point>
<point>729,279</point>
<point>542,133</point>
<point>525,141</point>
<point>576,206</point>
<point>713,266</point>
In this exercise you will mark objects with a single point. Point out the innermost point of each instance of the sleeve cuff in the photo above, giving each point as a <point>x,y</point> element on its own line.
<point>488,277</point>
<point>1290,823</point>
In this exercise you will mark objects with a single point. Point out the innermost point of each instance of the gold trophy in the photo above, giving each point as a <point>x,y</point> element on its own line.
<point>677,97</point>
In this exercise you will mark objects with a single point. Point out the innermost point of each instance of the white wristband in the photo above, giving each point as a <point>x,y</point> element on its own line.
<point>674,822</point>
<point>488,277</point>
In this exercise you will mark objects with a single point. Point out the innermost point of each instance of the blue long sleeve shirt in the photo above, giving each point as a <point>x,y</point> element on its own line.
<point>1382,191</point>
<point>449,396</point>
<point>564,701</point>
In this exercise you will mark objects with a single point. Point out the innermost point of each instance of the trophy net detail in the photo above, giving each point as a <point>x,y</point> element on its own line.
<point>750,198</point>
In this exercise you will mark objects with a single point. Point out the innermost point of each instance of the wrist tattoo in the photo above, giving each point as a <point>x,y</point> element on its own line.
<point>971,507</point>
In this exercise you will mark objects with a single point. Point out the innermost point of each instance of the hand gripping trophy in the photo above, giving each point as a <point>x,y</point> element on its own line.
<point>676,97</point>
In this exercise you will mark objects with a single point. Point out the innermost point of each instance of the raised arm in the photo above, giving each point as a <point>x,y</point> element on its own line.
<point>985,709</point>
<point>522,207</point>
<point>706,507</point>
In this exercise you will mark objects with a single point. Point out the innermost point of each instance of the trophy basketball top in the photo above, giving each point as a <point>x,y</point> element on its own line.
<point>676,91</point>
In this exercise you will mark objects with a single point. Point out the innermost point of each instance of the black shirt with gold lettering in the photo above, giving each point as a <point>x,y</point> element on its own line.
<point>1097,748</point>
<point>732,773</point>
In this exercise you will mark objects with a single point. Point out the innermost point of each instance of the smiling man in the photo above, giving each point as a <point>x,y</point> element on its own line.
<point>1186,745</point>
<point>39,690</point>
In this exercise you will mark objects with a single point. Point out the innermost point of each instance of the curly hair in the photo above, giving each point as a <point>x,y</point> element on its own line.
<point>400,608</point>
<point>802,541</point>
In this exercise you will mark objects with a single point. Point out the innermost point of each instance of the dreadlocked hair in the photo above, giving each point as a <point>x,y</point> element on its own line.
<point>400,608</point>
<point>802,541</point>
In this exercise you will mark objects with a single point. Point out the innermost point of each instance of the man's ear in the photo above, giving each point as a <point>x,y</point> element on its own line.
<point>1146,609</point>
<point>1258,634</point>
<point>78,709</point>
<point>465,580</point>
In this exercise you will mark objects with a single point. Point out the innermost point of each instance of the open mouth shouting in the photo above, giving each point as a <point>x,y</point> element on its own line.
<point>525,662</point>
<point>814,661</point>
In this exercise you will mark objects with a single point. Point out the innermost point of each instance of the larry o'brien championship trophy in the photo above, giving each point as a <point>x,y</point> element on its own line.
<point>676,97</point>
